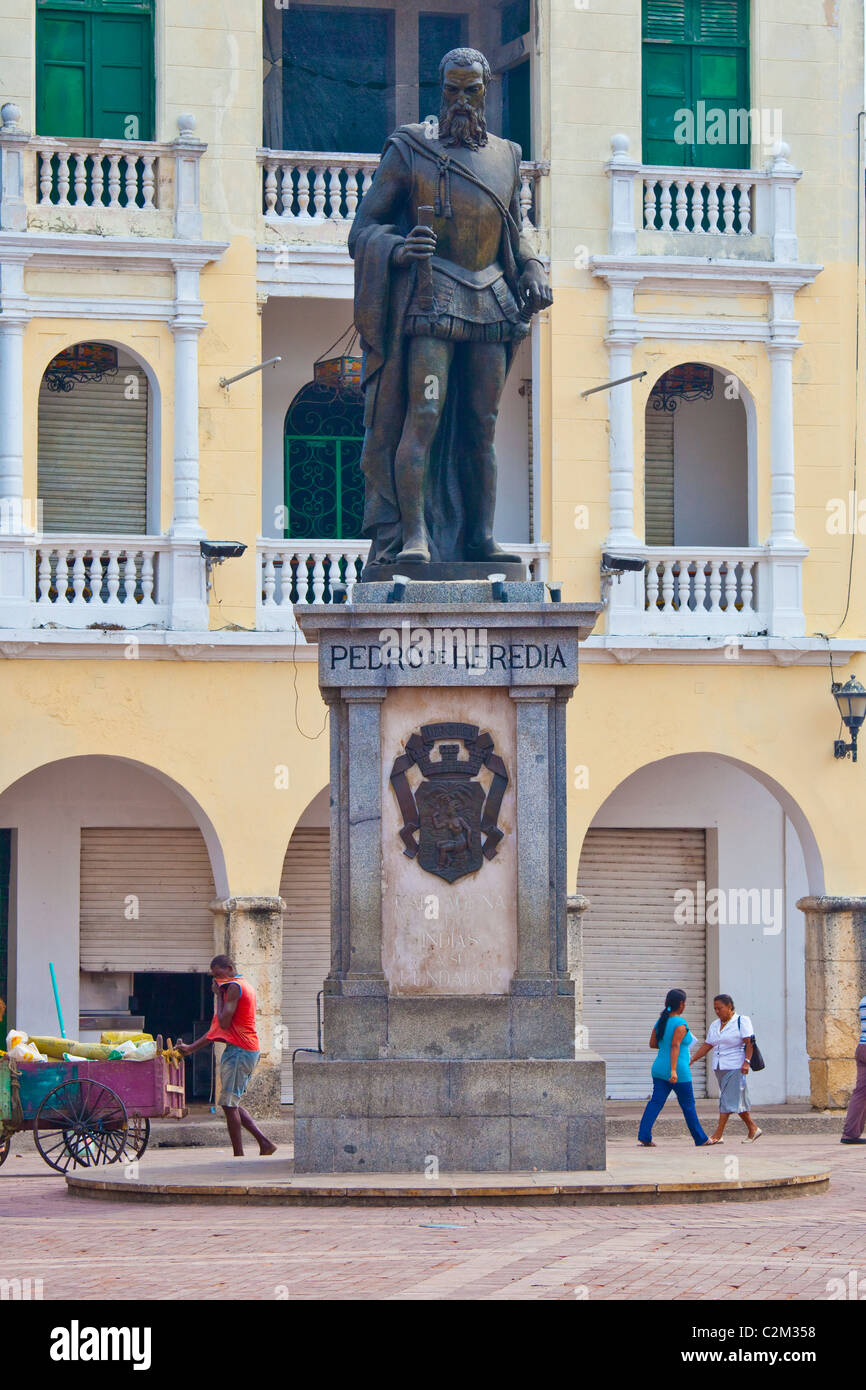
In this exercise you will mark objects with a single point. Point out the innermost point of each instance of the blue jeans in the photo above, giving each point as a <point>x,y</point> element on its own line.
<point>686,1097</point>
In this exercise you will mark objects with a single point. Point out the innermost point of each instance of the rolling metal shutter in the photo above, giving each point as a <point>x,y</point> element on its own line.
<point>634,951</point>
<point>306,891</point>
<point>659,477</point>
<point>93,457</point>
<point>164,875</point>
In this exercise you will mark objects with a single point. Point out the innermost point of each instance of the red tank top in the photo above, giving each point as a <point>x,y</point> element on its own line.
<point>242,1029</point>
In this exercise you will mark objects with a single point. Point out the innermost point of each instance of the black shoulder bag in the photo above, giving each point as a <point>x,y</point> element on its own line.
<point>756,1061</point>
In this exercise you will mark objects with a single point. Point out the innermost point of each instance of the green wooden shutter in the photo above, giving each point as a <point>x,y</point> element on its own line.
<point>122,77</point>
<point>666,91</point>
<point>665,20</point>
<point>63,78</point>
<point>696,59</point>
<point>94,70</point>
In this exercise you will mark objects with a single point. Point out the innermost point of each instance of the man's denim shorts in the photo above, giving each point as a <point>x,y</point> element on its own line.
<point>236,1067</point>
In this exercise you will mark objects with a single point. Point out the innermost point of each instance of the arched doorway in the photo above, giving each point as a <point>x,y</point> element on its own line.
<point>698,460</point>
<point>118,896</point>
<point>693,867</point>
<point>95,442</point>
<point>324,485</point>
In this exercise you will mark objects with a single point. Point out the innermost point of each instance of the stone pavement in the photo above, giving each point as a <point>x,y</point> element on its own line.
<point>785,1249</point>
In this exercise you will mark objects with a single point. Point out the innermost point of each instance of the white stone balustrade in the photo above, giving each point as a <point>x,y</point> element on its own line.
<point>76,582</point>
<point>678,201</point>
<point>694,592</point>
<point>753,209</point>
<point>42,176</point>
<point>90,173</point>
<point>81,581</point>
<point>303,186</point>
<point>303,572</point>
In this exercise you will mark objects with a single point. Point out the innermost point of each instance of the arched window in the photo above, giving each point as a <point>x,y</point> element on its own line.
<point>696,480</point>
<point>93,442</point>
<point>324,485</point>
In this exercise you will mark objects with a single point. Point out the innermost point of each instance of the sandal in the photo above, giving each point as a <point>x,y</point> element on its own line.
<point>752,1137</point>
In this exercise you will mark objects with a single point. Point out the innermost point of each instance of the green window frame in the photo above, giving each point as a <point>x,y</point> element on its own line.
<point>95,69</point>
<point>695,83</point>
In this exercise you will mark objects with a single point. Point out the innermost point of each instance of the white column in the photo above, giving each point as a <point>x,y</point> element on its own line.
<point>11,421</point>
<point>17,559</point>
<point>188,595</point>
<point>782,528</point>
<point>783,578</point>
<point>621,339</point>
<point>185,521</point>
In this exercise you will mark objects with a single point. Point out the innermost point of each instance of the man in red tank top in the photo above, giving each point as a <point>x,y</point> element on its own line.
<point>234,1023</point>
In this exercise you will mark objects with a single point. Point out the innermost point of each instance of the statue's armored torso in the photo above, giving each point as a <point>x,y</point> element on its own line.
<point>470,237</point>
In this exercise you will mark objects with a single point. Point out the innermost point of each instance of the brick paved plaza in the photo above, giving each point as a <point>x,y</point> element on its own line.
<point>778,1249</point>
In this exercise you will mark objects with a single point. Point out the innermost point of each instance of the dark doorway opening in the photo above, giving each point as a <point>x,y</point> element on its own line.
<point>179,1006</point>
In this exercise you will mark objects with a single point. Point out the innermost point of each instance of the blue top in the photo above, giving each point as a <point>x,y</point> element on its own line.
<point>661,1068</point>
<point>863,1019</point>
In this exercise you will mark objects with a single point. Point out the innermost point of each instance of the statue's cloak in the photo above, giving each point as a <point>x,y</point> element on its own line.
<point>383,292</point>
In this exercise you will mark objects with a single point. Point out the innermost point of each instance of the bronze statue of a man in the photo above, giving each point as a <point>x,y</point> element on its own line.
<point>445,287</point>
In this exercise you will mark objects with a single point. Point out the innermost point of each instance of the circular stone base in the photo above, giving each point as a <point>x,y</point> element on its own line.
<point>645,1177</point>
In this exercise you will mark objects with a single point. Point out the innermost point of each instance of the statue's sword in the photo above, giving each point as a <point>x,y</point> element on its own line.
<point>425,267</point>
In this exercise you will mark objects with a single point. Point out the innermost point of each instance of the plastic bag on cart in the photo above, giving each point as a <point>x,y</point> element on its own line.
<point>133,1052</point>
<point>21,1049</point>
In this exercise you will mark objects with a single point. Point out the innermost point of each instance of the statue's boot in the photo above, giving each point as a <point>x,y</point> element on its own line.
<point>486,548</point>
<point>479,491</point>
<point>416,550</point>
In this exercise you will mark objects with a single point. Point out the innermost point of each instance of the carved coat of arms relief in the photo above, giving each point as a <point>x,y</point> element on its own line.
<point>449,821</point>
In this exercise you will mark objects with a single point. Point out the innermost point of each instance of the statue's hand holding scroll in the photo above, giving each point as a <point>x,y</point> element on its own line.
<point>419,245</point>
<point>535,293</point>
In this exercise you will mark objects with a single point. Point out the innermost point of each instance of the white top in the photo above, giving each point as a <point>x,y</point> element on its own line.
<point>727,1042</point>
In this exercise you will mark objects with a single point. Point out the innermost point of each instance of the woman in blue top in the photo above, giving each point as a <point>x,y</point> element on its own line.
<point>670,1071</point>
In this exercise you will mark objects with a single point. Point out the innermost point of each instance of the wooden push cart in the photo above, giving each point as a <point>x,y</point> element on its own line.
<point>83,1114</point>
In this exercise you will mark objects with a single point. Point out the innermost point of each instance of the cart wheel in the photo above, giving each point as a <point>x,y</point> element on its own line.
<point>4,1149</point>
<point>80,1124</point>
<point>137,1136</point>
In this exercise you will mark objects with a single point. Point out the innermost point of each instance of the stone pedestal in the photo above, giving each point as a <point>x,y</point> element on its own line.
<point>449,1010</point>
<point>250,931</point>
<point>835,984</point>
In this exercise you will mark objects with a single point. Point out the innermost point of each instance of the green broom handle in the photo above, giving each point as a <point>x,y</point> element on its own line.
<point>57,999</point>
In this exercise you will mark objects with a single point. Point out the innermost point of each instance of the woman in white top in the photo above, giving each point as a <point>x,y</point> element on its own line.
<point>729,1039</point>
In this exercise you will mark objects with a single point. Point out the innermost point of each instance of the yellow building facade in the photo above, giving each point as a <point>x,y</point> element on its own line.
<point>165,745</point>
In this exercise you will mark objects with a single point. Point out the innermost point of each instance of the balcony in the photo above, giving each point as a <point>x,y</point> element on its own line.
<point>716,213</point>
<point>101,187</point>
<point>726,592</point>
<point>124,583</point>
<point>305,571</point>
<point>309,199</point>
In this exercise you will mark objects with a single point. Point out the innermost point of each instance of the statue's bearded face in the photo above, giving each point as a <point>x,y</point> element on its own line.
<point>461,118</point>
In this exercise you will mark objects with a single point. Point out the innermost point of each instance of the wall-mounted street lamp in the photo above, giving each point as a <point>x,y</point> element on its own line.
<point>851,699</point>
